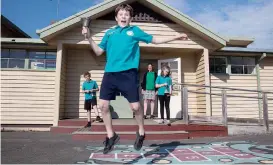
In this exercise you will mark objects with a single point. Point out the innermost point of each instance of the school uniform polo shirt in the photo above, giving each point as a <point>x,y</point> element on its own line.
<point>89,85</point>
<point>122,47</point>
<point>150,81</point>
<point>163,80</point>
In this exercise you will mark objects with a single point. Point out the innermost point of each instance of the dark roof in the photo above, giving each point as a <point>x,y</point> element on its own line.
<point>11,26</point>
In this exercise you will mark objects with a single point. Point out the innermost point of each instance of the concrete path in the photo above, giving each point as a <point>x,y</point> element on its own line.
<point>47,148</point>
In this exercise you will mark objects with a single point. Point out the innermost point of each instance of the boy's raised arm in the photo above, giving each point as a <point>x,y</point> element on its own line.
<point>157,40</point>
<point>97,50</point>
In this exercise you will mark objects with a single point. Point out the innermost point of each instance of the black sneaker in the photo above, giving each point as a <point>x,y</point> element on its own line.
<point>139,141</point>
<point>98,120</point>
<point>109,143</point>
<point>87,125</point>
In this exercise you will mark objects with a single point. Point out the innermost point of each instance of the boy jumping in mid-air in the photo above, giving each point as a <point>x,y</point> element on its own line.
<point>121,70</point>
<point>89,88</point>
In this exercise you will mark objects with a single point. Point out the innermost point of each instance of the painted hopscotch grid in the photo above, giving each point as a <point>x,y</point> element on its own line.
<point>197,154</point>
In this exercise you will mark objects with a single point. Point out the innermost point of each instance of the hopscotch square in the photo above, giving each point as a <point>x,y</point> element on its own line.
<point>190,157</point>
<point>226,150</point>
<point>129,156</point>
<point>180,151</point>
<point>157,155</point>
<point>210,153</point>
<point>102,156</point>
<point>241,155</point>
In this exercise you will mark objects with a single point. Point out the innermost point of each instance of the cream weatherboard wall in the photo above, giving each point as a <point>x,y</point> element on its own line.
<point>188,66</point>
<point>77,63</point>
<point>266,78</point>
<point>237,107</point>
<point>200,80</point>
<point>27,97</point>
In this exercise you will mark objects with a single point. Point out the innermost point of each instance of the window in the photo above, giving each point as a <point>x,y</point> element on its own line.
<point>242,65</point>
<point>17,58</point>
<point>4,58</point>
<point>5,53</point>
<point>42,60</point>
<point>218,64</point>
<point>50,62</point>
<point>23,59</point>
<point>14,58</point>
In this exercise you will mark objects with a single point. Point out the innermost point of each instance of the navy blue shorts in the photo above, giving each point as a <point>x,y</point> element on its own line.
<point>126,83</point>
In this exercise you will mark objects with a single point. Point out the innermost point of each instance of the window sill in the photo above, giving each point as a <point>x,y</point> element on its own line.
<point>31,70</point>
<point>230,74</point>
<point>221,74</point>
<point>243,74</point>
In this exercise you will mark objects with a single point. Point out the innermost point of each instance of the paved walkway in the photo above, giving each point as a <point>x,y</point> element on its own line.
<point>47,148</point>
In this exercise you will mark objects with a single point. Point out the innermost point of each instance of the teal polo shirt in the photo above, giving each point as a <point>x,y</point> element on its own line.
<point>88,85</point>
<point>162,80</point>
<point>122,47</point>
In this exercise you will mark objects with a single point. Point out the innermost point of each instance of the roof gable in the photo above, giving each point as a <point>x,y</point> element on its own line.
<point>141,14</point>
<point>108,6</point>
<point>9,29</point>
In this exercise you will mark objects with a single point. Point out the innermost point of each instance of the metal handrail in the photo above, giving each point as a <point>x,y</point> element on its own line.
<point>215,94</point>
<point>227,88</point>
<point>264,98</point>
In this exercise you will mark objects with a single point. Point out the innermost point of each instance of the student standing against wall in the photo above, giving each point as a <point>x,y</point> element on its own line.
<point>164,85</point>
<point>149,90</point>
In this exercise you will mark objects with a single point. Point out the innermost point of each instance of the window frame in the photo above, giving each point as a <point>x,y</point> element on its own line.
<point>27,59</point>
<point>228,62</point>
<point>243,65</point>
<point>222,57</point>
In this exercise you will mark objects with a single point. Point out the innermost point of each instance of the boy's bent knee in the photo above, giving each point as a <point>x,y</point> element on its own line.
<point>104,106</point>
<point>135,106</point>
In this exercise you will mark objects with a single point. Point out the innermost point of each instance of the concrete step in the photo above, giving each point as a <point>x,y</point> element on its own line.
<point>87,133</point>
<point>127,127</point>
<point>158,127</point>
<point>150,135</point>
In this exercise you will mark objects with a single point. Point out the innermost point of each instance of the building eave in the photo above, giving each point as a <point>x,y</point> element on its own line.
<point>22,41</point>
<point>246,50</point>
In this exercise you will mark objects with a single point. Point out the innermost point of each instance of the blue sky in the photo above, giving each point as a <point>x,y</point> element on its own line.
<point>246,18</point>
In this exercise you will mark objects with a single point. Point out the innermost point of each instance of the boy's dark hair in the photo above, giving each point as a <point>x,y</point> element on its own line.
<point>86,74</point>
<point>164,68</point>
<point>125,7</point>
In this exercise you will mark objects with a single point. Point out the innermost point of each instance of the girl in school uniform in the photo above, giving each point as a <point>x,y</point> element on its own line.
<point>164,85</point>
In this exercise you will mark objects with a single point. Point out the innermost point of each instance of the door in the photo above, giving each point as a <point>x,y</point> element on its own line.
<point>175,103</point>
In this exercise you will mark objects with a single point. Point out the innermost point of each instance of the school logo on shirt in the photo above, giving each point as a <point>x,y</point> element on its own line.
<point>130,33</point>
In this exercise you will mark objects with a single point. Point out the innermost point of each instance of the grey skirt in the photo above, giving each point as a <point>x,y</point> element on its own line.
<point>149,95</point>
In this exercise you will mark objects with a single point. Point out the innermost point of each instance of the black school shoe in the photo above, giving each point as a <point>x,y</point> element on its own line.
<point>88,125</point>
<point>139,141</point>
<point>98,120</point>
<point>109,143</point>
